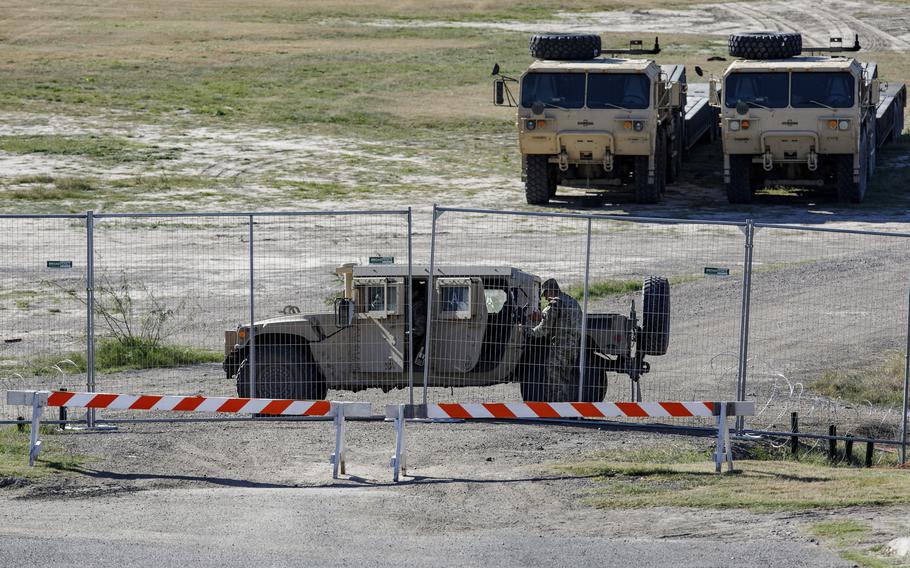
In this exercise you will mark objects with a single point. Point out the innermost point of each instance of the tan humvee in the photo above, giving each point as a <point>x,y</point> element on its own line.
<point>475,340</point>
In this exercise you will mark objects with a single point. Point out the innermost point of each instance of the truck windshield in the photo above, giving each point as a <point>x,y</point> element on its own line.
<point>757,89</point>
<point>611,90</point>
<point>555,90</point>
<point>812,90</point>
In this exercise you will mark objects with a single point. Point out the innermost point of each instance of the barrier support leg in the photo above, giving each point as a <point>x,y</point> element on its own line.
<point>35,443</point>
<point>337,458</point>
<point>724,451</point>
<point>399,460</point>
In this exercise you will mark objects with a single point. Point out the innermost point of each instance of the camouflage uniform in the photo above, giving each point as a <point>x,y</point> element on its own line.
<point>561,322</point>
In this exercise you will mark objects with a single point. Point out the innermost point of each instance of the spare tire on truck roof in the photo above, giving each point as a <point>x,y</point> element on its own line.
<point>765,45</point>
<point>564,46</point>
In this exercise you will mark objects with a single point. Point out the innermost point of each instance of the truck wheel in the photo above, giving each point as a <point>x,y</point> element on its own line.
<point>765,45</point>
<point>532,373</point>
<point>564,46</point>
<point>849,191</point>
<point>538,181</point>
<point>282,371</point>
<point>654,338</point>
<point>739,190</point>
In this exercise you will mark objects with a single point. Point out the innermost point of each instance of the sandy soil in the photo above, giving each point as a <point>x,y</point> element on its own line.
<point>881,26</point>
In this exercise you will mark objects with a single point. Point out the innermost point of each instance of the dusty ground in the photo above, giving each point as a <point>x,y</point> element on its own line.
<point>228,494</point>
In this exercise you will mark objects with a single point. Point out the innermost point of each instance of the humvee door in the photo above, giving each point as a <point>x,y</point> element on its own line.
<point>459,322</point>
<point>379,341</point>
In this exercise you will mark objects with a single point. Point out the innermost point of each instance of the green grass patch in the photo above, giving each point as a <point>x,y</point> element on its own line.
<point>14,454</point>
<point>66,188</point>
<point>606,288</point>
<point>688,480</point>
<point>846,531</point>
<point>880,384</point>
<point>113,356</point>
<point>104,148</point>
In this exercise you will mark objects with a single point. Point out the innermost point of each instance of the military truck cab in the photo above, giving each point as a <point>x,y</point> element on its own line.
<point>794,120</point>
<point>597,122</point>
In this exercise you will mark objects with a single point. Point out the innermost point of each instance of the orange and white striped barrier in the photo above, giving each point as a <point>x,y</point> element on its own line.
<point>271,406</point>
<point>555,410</point>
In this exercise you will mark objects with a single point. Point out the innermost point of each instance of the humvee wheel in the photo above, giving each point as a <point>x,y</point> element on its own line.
<point>282,371</point>
<point>849,191</point>
<point>538,180</point>
<point>595,385</point>
<point>564,46</point>
<point>765,45</point>
<point>739,190</point>
<point>654,338</point>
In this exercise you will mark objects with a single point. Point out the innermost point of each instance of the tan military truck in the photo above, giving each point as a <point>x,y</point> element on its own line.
<point>475,340</point>
<point>802,120</point>
<point>594,122</point>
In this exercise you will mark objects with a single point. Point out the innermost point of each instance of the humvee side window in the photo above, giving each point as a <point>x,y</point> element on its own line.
<point>455,301</point>
<point>496,300</point>
<point>378,298</point>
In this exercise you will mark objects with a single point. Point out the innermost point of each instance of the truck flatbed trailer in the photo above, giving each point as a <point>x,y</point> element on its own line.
<point>889,114</point>
<point>701,118</point>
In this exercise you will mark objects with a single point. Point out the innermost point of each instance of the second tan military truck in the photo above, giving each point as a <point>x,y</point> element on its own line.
<point>811,120</point>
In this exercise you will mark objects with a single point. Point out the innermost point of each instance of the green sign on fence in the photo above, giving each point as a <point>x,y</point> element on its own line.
<point>60,264</point>
<point>715,271</point>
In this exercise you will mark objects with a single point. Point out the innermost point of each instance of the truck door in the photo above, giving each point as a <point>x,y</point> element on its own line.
<point>459,322</point>
<point>379,343</point>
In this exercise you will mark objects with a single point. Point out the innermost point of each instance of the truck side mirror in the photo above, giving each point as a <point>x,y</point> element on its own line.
<point>344,312</point>
<point>713,95</point>
<point>676,95</point>
<point>499,97</point>
<point>699,71</point>
<point>875,93</point>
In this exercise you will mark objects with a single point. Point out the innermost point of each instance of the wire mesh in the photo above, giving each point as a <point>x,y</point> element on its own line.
<point>42,306</point>
<point>828,330</point>
<point>312,346</point>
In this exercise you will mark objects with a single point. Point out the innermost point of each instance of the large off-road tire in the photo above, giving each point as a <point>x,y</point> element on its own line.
<point>282,371</point>
<point>650,192</point>
<point>538,180</point>
<point>654,338</point>
<point>739,189</point>
<point>765,45</point>
<point>532,372</point>
<point>564,46</point>
<point>849,191</point>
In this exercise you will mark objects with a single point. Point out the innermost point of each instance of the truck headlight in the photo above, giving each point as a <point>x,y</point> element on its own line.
<point>843,125</point>
<point>734,125</point>
<point>530,124</point>
<point>638,125</point>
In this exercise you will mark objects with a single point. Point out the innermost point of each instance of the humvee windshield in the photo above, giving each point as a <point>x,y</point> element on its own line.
<point>559,90</point>
<point>810,90</point>
<point>757,89</point>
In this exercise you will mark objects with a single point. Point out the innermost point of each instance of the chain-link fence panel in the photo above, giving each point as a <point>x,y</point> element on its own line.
<point>680,285</point>
<point>828,330</point>
<point>332,299</point>
<point>496,334</point>
<point>42,305</point>
<point>166,287</point>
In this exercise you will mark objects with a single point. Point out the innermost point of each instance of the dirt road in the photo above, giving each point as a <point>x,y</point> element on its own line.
<point>223,496</point>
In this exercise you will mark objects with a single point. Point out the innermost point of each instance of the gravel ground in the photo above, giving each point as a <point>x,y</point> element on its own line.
<point>231,494</point>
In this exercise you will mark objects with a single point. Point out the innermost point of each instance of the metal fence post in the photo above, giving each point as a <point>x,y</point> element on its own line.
<point>410,311</point>
<point>427,359</point>
<point>582,357</point>
<point>251,358</point>
<point>749,231</point>
<point>90,311</point>
<point>906,389</point>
